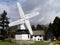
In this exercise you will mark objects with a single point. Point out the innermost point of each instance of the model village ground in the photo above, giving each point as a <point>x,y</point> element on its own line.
<point>42,34</point>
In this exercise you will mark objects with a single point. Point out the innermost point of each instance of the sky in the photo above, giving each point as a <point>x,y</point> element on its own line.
<point>48,10</point>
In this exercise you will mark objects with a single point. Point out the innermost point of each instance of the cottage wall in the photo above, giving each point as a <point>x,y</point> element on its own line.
<point>37,38</point>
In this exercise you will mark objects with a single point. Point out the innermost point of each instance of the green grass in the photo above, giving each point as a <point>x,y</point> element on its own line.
<point>40,43</point>
<point>8,43</point>
<point>36,43</point>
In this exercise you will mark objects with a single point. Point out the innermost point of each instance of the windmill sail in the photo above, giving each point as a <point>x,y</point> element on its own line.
<point>20,10</point>
<point>20,21</point>
<point>27,23</point>
<point>24,19</point>
<point>32,15</point>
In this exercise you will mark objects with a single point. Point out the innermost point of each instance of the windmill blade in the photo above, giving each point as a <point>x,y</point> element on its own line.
<point>32,15</point>
<point>27,23</point>
<point>20,10</point>
<point>20,21</point>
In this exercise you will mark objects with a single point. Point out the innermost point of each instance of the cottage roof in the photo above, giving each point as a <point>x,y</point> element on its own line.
<point>38,32</point>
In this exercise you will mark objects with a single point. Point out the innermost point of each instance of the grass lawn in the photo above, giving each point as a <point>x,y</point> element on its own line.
<point>8,43</point>
<point>46,43</point>
<point>36,43</point>
<point>40,43</point>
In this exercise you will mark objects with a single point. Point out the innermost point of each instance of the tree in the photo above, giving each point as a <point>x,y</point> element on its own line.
<point>39,27</point>
<point>50,27</point>
<point>56,27</point>
<point>33,27</point>
<point>49,33</point>
<point>4,23</point>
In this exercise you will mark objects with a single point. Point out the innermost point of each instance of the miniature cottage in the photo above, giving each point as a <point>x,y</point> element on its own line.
<point>38,35</point>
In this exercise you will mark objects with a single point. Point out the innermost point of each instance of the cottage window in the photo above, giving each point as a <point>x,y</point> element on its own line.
<point>40,35</point>
<point>35,35</point>
<point>38,38</point>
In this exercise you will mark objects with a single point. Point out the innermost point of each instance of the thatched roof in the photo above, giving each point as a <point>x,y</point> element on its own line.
<point>38,32</point>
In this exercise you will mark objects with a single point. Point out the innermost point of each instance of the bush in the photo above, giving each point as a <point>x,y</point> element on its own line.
<point>8,39</point>
<point>58,38</point>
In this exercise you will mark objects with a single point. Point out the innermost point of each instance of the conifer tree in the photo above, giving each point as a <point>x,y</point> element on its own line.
<point>4,23</point>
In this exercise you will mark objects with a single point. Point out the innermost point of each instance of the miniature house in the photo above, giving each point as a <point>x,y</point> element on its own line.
<point>38,35</point>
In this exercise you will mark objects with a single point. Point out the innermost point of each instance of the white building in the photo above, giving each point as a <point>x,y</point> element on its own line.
<point>38,35</point>
<point>22,35</point>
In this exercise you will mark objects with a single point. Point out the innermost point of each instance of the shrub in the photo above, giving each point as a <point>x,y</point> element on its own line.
<point>58,38</point>
<point>8,39</point>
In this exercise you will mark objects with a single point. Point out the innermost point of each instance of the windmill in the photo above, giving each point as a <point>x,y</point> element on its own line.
<point>24,19</point>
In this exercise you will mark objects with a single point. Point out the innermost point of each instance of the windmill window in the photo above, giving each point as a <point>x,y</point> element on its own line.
<point>28,36</point>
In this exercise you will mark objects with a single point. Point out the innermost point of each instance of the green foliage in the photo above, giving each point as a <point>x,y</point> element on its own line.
<point>33,27</point>
<point>8,40</point>
<point>55,27</point>
<point>59,38</point>
<point>56,24</point>
<point>4,23</point>
<point>39,27</point>
<point>8,43</point>
<point>50,27</point>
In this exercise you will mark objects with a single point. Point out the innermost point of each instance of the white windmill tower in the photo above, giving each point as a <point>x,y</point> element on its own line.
<point>24,20</point>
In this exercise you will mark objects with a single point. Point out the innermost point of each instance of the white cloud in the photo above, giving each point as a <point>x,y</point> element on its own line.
<point>48,9</point>
<point>3,7</point>
<point>41,19</point>
<point>11,10</point>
